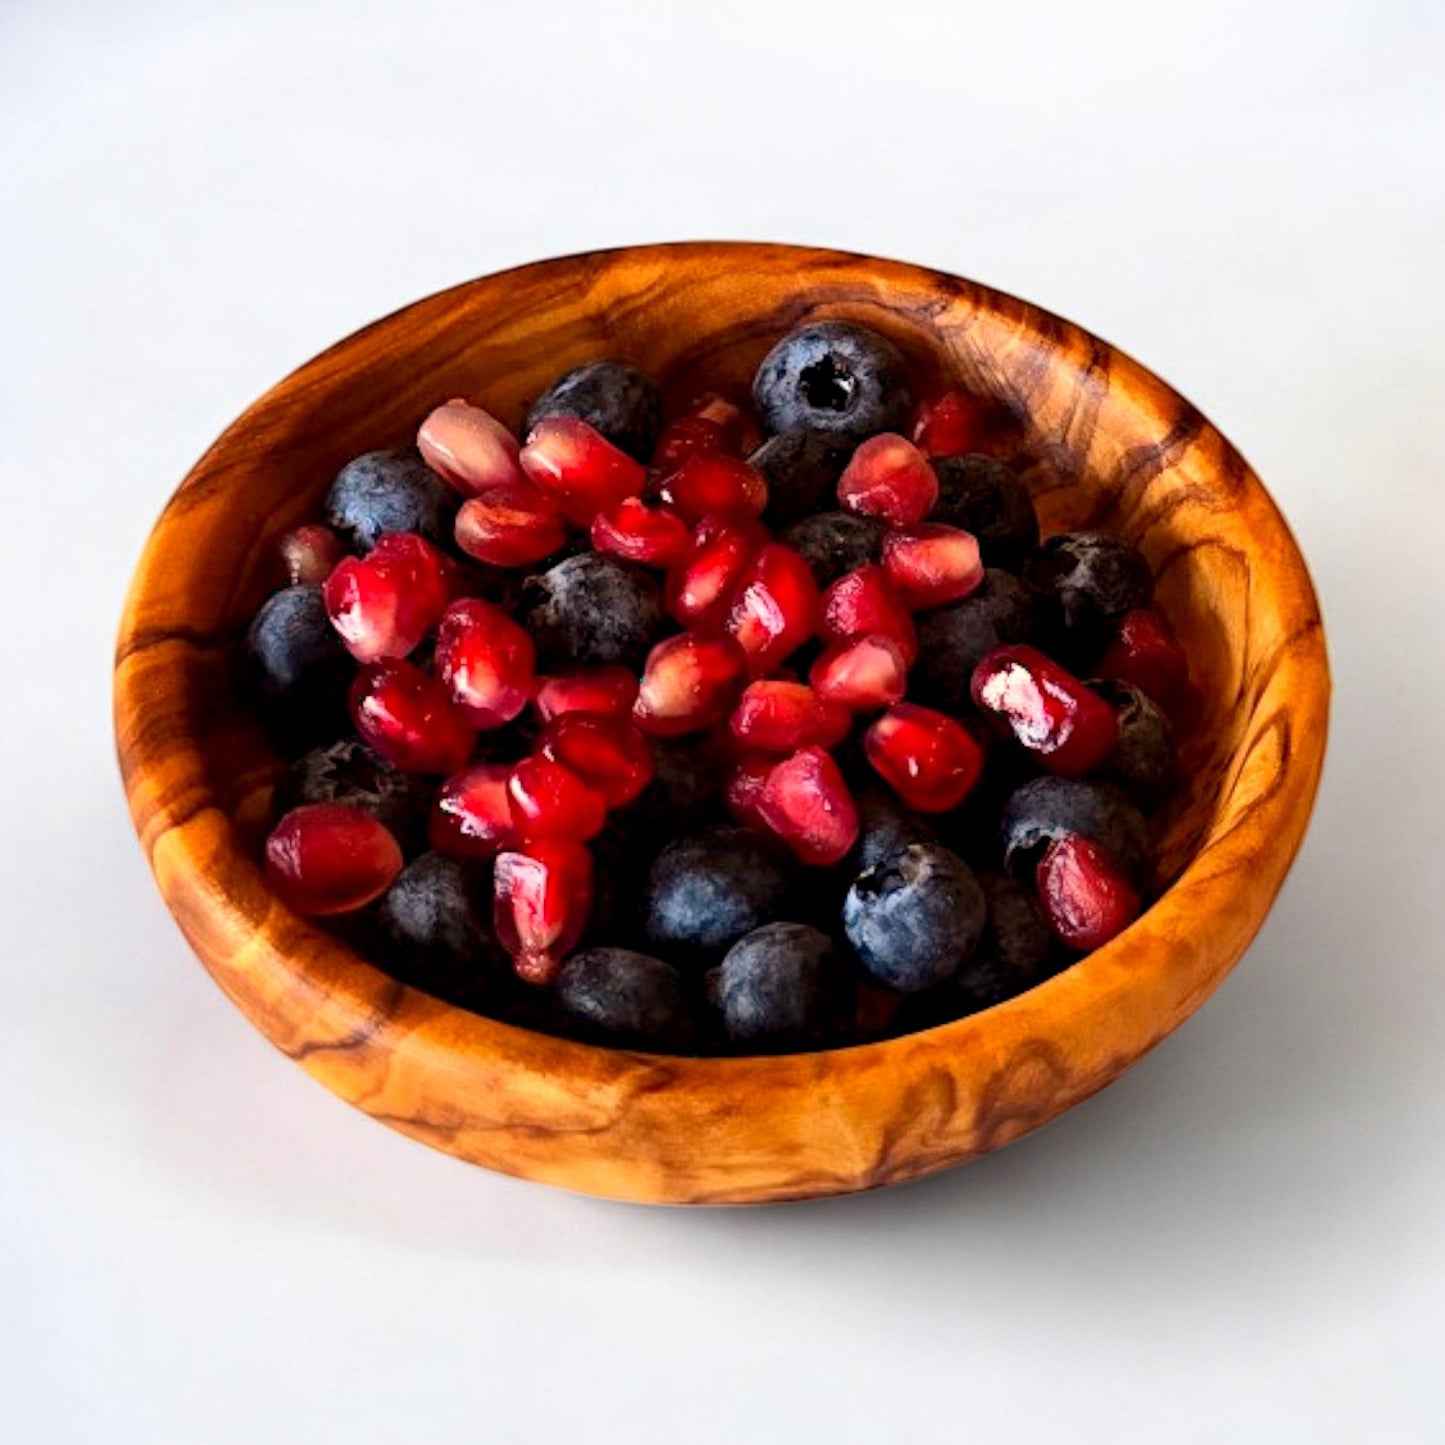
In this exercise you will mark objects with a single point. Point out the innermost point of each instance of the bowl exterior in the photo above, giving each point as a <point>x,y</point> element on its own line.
<point>1113,446</point>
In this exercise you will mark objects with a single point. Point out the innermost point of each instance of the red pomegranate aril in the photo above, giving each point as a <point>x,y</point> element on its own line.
<point>486,661</point>
<point>690,682</point>
<point>699,588</point>
<point>952,424</point>
<point>578,466</point>
<point>541,898</point>
<point>383,604</point>
<point>889,478</point>
<point>928,759</point>
<point>325,858</point>
<point>406,715</point>
<point>932,564</point>
<point>607,753</point>
<point>550,801</point>
<point>686,437</point>
<point>740,429</point>
<point>1146,653</point>
<point>512,525</point>
<point>862,674</point>
<point>744,788</point>
<point>309,554</point>
<point>807,804</point>
<point>1068,727</point>
<point>472,816</point>
<point>638,531</point>
<point>712,482</point>
<point>775,607</point>
<point>863,602</point>
<point>608,688</point>
<point>469,448</point>
<point>1086,897</point>
<point>780,717</point>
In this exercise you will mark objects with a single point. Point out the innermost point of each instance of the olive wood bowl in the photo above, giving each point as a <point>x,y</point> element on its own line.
<point>1113,446</point>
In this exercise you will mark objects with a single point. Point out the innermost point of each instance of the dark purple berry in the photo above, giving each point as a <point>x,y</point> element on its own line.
<point>347,771</point>
<point>915,919</point>
<point>1094,578</point>
<point>1050,808</point>
<point>613,398</point>
<point>953,640</point>
<point>390,491</point>
<point>589,610</point>
<point>1143,762</point>
<point>802,470</point>
<point>299,667</point>
<point>833,543</point>
<point>626,999</point>
<point>833,377</point>
<point>984,497</point>
<point>885,828</point>
<point>781,987</point>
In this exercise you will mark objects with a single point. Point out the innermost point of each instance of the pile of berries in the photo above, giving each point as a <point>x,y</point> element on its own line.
<point>758,730</point>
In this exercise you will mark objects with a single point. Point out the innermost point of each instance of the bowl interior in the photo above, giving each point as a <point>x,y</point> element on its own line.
<point>1109,444</point>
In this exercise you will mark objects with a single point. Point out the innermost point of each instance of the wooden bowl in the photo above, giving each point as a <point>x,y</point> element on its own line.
<point>1116,447</point>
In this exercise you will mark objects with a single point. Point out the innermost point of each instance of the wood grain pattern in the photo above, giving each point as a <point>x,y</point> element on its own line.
<point>1113,446</point>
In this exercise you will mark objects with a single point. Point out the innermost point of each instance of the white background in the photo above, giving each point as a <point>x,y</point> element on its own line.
<point>1241,1240</point>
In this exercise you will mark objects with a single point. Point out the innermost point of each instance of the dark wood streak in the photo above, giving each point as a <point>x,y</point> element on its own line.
<point>1108,441</point>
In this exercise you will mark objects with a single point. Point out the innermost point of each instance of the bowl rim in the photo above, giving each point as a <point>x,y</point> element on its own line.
<point>351,1006</point>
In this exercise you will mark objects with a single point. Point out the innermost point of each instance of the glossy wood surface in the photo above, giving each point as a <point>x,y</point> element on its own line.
<point>1113,447</point>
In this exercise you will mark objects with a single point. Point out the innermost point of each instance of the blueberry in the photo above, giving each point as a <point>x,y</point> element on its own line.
<point>683,795</point>
<point>704,892</point>
<point>953,639</point>
<point>802,469</point>
<point>1143,763</point>
<point>1094,579</point>
<point>834,377</point>
<point>782,986</point>
<point>1049,807</point>
<point>591,609</point>
<point>614,398</point>
<point>349,772</point>
<point>437,918</point>
<point>390,491</point>
<point>833,543</point>
<point>1015,953</point>
<point>631,1000</point>
<point>916,919</point>
<point>984,497</point>
<point>885,828</point>
<point>299,666</point>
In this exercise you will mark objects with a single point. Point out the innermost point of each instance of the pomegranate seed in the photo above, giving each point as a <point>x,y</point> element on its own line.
<point>862,674</point>
<point>472,817</point>
<point>686,437</point>
<point>744,788</point>
<point>952,424</point>
<point>549,800</point>
<point>1086,897</point>
<point>889,478</point>
<point>807,804</point>
<point>609,688</point>
<point>309,554</point>
<point>699,588</point>
<point>324,858</point>
<point>779,717</point>
<point>927,758</point>
<point>1146,653</point>
<point>1051,713</point>
<point>579,467</point>
<point>470,448</point>
<point>689,683</point>
<point>741,436</point>
<point>510,526</point>
<point>863,602</point>
<point>637,531</point>
<point>607,753</point>
<point>541,898</point>
<point>405,715</point>
<point>486,661</point>
<point>383,604</point>
<point>775,607</point>
<point>931,564</point>
<point>711,482</point>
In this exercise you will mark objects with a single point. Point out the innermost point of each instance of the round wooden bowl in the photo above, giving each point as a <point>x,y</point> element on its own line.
<point>1116,448</point>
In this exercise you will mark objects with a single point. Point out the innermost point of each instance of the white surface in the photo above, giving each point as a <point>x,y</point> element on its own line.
<point>1239,1241</point>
